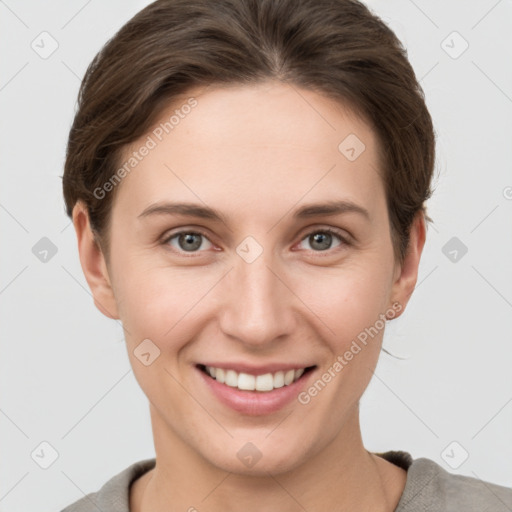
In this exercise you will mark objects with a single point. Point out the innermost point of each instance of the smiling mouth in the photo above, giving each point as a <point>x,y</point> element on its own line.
<point>258,383</point>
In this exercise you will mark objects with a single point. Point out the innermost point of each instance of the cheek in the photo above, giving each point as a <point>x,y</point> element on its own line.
<point>167,307</point>
<point>346,300</point>
<point>159,301</point>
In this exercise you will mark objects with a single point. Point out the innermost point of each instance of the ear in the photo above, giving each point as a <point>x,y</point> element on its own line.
<point>406,274</point>
<point>93,263</point>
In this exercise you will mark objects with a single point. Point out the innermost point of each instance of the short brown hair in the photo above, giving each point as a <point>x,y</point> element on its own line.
<point>338,48</point>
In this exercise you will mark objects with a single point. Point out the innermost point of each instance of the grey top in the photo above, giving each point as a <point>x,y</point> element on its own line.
<point>429,488</point>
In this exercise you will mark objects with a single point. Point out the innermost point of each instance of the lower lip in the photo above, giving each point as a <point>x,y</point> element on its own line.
<point>255,403</point>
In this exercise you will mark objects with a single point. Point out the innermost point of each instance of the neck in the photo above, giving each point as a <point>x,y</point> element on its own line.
<point>342,476</point>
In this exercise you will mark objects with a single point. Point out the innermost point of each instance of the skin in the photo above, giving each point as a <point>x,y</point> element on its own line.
<point>256,154</point>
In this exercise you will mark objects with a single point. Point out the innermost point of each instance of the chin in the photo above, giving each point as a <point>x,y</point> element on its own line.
<point>256,459</point>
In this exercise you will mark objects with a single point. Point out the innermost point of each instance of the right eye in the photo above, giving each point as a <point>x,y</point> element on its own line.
<point>187,241</point>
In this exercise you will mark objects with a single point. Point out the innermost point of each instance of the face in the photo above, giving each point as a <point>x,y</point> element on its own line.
<point>246,240</point>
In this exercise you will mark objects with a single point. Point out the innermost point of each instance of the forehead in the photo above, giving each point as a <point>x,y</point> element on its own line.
<point>239,145</point>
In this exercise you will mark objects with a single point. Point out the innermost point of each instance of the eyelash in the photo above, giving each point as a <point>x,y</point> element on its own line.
<point>343,240</point>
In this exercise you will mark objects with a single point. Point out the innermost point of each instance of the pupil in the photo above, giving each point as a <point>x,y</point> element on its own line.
<point>323,240</point>
<point>191,241</point>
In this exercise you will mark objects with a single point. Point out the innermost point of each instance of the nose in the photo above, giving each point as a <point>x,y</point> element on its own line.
<point>257,307</point>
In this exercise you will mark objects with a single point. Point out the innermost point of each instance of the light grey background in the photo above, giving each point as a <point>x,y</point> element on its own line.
<point>64,372</point>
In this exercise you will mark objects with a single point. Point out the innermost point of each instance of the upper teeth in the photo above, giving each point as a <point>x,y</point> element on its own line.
<point>245,381</point>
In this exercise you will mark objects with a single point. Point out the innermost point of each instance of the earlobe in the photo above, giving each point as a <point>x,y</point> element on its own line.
<point>93,263</point>
<point>407,274</point>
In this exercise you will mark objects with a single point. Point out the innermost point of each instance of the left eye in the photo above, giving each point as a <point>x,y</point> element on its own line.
<point>188,241</point>
<point>322,240</point>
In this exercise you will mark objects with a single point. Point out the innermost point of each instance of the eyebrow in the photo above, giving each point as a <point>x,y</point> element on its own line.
<point>328,208</point>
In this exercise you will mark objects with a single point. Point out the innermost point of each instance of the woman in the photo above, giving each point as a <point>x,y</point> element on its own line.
<point>247,180</point>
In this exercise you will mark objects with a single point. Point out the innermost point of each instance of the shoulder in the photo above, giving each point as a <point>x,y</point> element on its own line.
<point>114,495</point>
<point>430,487</point>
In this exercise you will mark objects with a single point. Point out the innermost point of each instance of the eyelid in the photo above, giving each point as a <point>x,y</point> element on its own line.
<point>171,233</point>
<point>327,229</point>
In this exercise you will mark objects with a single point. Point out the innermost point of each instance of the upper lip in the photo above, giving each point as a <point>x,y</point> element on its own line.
<point>255,369</point>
